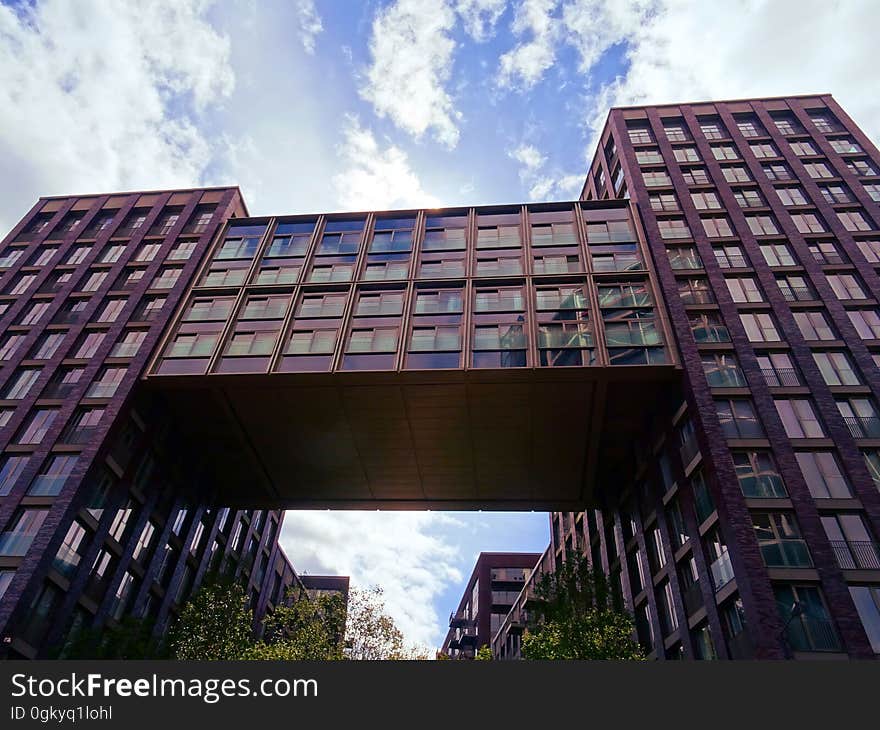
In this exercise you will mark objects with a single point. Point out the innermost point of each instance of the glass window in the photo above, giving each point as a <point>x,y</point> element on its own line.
<point>738,418</point>
<point>867,600</point>
<point>36,427</point>
<point>814,325</point>
<point>759,327</point>
<point>799,418</point>
<point>780,540</point>
<point>708,327</point>
<point>444,301</point>
<point>836,368</point>
<point>744,289</point>
<point>11,468</point>
<point>312,342</point>
<point>321,305</point>
<point>374,339</point>
<point>722,370</point>
<point>757,474</point>
<point>499,300</point>
<point>379,304</point>
<point>251,342</point>
<point>435,338</point>
<point>866,322</point>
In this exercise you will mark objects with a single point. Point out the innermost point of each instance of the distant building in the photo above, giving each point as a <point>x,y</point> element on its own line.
<point>495,583</point>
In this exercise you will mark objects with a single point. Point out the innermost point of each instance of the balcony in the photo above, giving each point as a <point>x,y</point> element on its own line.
<point>15,544</point>
<point>66,561</point>
<point>763,486</point>
<point>797,293</point>
<point>722,571</point>
<point>863,427</point>
<point>740,646</point>
<point>80,435</point>
<point>459,620</point>
<point>785,553</point>
<point>732,262</point>
<point>776,377</point>
<point>688,450</point>
<point>693,598</point>
<point>806,633</point>
<point>853,555</point>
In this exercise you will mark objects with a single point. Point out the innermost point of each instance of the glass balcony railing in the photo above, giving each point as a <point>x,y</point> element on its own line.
<point>739,646</point>
<point>763,486</point>
<point>66,561</point>
<point>15,544</point>
<point>852,555</point>
<point>46,486</point>
<point>785,553</point>
<point>688,450</point>
<point>693,598</point>
<point>722,571</point>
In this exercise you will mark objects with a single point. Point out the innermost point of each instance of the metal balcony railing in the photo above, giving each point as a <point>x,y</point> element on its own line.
<point>806,633</point>
<point>728,261</point>
<point>863,427</point>
<point>776,377</point>
<point>856,554</point>
<point>827,258</point>
<point>797,293</point>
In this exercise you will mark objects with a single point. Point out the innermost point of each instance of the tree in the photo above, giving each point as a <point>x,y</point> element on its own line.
<point>131,638</point>
<point>371,634</point>
<point>303,628</point>
<point>578,616</point>
<point>484,654</point>
<point>215,624</point>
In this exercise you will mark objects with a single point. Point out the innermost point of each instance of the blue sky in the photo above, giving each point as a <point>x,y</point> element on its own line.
<point>314,105</point>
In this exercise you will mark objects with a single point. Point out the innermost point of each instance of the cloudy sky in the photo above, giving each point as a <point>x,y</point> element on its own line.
<point>318,106</point>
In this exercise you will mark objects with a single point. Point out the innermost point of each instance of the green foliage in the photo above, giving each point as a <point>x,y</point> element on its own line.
<point>132,638</point>
<point>579,617</point>
<point>484,654</point>
<point>305,629</point>
<point>215,624</point>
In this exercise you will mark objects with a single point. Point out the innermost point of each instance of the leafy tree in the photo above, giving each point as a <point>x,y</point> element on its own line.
<point>484,654</point>
<point>304,628</point>
<point>579,617</point>
<point>371,634</point>
<point>215,624</point>
<point>131,638</point>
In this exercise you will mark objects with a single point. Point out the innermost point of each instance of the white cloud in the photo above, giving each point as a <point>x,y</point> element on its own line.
<point>480,16</point>
<point>413,556</point>
<point>691,51</point>
<point>105,96</point>
<point>309,23</point>
<point>412,51</point>
<point>376,178</point>
<point>594,26</point>
<point>526,63</point>
<point>540,183</point>
<point>529,156</point>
